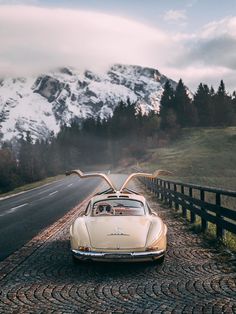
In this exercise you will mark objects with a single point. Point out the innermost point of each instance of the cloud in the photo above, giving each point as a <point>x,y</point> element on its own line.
<point>224,26</point>
<point>35,39</point>
<point>191,3</point>
<point>175,16</point>
<point>214,45</point>
<point>219,51</point>
<point>196,73</point>
<point>19,2</point>
<point>210,53</point>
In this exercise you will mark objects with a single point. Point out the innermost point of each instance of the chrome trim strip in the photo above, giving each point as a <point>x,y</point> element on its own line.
<point>116,255</point>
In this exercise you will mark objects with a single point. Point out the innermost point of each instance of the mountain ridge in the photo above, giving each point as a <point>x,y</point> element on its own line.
<point>42,104</point>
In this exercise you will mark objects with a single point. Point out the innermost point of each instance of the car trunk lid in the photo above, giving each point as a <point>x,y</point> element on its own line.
<point>117,232</point>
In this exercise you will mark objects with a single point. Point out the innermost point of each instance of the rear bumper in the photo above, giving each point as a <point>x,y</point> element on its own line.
<point>119,256</point>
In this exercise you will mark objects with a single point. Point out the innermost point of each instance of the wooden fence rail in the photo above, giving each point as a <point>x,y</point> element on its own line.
<point>192,198</point>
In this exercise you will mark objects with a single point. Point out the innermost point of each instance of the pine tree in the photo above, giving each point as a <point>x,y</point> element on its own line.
<point>233,102</point>
<point>167,107</point>
<point>123,120</point>
<point>203,103</point>
<point>186,112</point>
<point>212,91</point>
<point>26,158</point>
<point>9,178</point>
<point>222,107</point>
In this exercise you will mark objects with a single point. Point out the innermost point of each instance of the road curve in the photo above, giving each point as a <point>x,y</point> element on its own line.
<point>41,278</point>
<point>25,215</point>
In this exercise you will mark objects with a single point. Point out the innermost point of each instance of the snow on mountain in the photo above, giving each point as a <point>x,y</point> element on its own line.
<point>43,104</point>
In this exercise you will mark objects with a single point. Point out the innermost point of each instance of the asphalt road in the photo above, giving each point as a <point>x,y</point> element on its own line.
<point>25,215</point>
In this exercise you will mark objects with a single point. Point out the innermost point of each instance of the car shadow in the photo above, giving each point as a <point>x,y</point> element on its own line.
<point>55,265</point>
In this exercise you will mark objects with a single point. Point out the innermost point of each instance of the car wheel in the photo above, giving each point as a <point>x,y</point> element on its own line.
<point>160,260</point>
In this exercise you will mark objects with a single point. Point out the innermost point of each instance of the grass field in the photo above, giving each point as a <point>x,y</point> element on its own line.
<point>204,157</point>
<point>201,156</point>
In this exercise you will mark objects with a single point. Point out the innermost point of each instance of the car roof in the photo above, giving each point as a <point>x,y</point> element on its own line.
<point>131,196</point>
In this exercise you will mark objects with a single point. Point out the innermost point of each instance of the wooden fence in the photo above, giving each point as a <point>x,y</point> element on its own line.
<point>192,198</point>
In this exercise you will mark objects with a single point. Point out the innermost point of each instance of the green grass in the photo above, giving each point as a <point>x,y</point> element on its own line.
<point>201,156</point>
<point>229,239</point>
<point>33,185</point>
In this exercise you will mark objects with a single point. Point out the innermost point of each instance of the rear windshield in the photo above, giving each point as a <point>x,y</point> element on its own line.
<point>118,207</point>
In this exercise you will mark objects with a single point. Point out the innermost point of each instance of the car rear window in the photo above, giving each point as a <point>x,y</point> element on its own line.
<point>118,207</point>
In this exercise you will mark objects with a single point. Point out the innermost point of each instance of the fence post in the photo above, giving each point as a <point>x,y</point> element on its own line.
<point>192,214</point>
<point>158,187</point>
<point>143,180</point>
<point>165,195</point>
<point>146,183</point>
<point>169,195</point>
<point>154,187</point>
<point>151,185</point>
<point>184,212</point>
<point>204,222</point>
<point>169,192</point>
<point>161,186</point>
<point>176,202</point>
<point>219,229</point>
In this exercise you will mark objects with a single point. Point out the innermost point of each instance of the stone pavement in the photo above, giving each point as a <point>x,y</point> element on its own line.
<point>41,277</point>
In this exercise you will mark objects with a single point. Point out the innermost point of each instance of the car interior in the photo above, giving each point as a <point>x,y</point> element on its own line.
<point>118,207</point>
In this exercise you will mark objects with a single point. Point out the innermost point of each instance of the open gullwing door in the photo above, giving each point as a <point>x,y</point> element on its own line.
<point>92,174</point>
<point>126,182</point>
<point>153,175</point>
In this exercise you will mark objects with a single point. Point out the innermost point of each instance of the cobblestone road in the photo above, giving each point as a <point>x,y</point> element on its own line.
<point>41,278</point>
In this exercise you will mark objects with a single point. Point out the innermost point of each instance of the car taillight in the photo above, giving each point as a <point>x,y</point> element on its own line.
<point>84,248</point>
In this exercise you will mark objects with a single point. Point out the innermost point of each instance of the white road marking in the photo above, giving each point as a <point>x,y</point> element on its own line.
<point>53,193</point>
<point>19,206</point>
<point>45,197</point>
<point>41,198</point>
<point>23,192</point>
<point>13,209</point>
<point>70,184</point>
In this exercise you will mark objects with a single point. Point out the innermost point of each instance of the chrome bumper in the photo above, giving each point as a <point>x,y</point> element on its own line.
<point>120,256</point>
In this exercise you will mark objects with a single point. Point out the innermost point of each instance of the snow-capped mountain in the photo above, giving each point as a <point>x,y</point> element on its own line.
<point>42,104</point>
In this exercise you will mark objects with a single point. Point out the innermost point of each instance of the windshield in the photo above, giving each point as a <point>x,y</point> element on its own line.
<point>118,207</point>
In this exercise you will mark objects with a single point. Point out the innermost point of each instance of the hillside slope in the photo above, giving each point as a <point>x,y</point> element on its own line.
<point>201,156</point>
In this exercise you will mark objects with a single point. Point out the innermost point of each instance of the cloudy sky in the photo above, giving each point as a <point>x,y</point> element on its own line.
<point>191,39</point>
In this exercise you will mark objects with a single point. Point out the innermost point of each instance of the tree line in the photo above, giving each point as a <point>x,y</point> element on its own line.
<point>124,136</point>
<point>206,108</point>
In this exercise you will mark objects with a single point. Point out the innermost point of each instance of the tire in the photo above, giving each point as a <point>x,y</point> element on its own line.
<point>75,260</point>
<point>160,260</point>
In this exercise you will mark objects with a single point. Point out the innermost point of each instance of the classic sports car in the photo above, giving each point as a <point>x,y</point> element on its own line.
<point>118,225</point>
